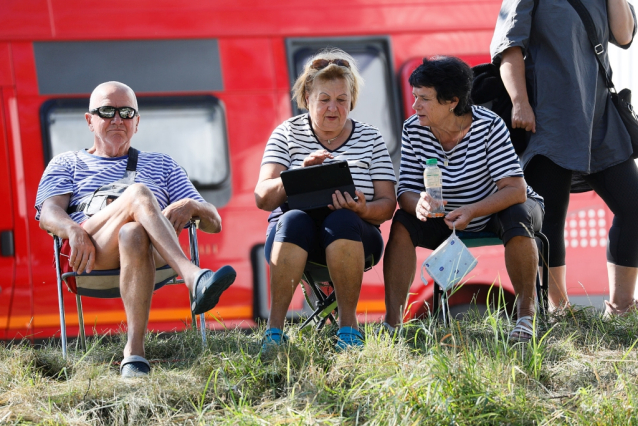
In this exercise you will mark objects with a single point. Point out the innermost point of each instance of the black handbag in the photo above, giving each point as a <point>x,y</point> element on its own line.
<point>489,91</point>
<point>621,100</point>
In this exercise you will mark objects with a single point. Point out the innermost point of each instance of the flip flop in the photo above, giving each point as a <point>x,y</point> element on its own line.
<point>524,326</point>
<point>273,338</point>
<point>209,286</point>
<point>348,337</point>
<point>134,366</point>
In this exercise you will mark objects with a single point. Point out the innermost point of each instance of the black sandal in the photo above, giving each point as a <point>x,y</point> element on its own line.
<point>209,286</point>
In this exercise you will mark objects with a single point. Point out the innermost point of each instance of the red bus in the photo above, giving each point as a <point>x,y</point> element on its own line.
<point>213,80</point>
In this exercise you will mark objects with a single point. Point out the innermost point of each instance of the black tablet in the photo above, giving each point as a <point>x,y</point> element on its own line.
<point>312,187</point>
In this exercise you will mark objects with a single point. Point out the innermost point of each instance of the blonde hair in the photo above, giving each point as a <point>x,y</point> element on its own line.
<point>303,86</point>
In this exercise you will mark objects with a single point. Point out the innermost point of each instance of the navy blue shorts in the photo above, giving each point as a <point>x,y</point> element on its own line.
<point>516,220</point>
<point>297,227</point>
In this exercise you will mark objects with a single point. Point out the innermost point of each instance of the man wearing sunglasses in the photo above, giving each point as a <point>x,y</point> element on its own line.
<point>137,231</point>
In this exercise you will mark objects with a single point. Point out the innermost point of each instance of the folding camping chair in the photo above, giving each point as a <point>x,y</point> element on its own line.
<point>105,284</point>
<point>320,294</point>
<point>480,239</point>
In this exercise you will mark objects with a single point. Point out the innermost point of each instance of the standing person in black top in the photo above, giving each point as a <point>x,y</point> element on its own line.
<point>558,93</point>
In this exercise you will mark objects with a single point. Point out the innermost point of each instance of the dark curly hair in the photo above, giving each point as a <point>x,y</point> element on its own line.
<point>449,76</point>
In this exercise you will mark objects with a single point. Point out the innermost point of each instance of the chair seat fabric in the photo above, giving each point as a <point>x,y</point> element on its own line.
<point>105,284</point>
<point>479,239</point>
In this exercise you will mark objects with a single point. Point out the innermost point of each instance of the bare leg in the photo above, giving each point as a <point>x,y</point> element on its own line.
<point>521,261</point>
<point>137,204</point>
<point>287,261</point>
<point>136,283</point>
<point>399,266</point>
<point>346,260</point>
<point>622,284</point>
<point>557,288</point>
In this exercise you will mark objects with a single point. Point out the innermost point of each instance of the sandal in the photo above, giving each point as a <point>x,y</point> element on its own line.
<point>209,286</point>
<point>273,338</point>
<point>387,329</point>
<point>348,337</point>
<point>523,331</point>
<point>134,366</point>
<point>611,311</point>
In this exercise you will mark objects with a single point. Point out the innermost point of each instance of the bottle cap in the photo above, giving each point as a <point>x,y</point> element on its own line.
<point>431,162</point>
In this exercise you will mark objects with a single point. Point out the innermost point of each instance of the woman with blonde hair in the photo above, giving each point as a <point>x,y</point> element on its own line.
<point>328,88</point>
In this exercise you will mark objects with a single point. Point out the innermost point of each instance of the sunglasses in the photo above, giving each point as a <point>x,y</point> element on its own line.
<point>320,64</point>
<point>126,113</point>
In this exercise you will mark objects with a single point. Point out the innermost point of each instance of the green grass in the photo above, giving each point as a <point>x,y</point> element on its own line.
<point>580,370</point>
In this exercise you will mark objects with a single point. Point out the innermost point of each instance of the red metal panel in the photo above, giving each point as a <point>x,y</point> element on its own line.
<point>147,19</point>
<point>6,71</point>
<point>21,307</point>
<point>24,68</point>
<point>7,264</point>
<point>247,64</point>
<point>25,20</point>
<point>280,64</point>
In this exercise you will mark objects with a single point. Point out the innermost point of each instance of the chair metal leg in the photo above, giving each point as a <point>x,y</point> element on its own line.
<point>78,302</point>
<point>202,328</point>
<point>439,302</point>
<point>444,308</point>
<point>58,271</point>
<point>323,302</point>
<point>192,239</point>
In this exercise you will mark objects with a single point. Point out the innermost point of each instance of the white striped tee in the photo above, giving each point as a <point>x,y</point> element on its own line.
<point>79,173</point>
<point>364,150</point>
<point>484,156</point>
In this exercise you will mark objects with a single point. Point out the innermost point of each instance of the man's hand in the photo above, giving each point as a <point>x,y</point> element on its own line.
<point>523,117</point>
<point>82,256</point>
<point>317,157</point>
<point>424,206</point>
<point>179,213</point>
<point>345,201</point>
<point>460,217</point>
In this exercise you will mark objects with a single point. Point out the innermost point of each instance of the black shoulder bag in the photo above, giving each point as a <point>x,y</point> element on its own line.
<point>489,91</point>
<point>621,100</point>
<point>105,194</point>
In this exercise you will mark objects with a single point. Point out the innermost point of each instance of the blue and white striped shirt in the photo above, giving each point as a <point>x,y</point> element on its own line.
<point>484,156</point>
<point>79,173</point>
<point>364,150</point>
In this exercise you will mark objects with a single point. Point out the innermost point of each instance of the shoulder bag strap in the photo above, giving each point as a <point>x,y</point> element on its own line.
<point>131,162</point>
<point>131,169</point>
<point>590,28</point>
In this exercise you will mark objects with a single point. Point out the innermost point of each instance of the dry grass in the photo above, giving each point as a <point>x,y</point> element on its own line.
<point>581,370</point>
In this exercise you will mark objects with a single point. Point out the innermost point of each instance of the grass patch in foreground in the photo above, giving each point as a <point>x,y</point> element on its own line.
<point>580,370</point>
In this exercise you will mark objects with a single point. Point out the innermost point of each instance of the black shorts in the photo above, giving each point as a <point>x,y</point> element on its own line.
<point>518,220</point>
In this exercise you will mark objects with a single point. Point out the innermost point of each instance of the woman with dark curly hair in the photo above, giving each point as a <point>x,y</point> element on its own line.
<point>483,186</point>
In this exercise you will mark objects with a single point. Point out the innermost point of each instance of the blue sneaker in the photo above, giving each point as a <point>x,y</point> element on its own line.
<point>273,338</point>
<point>348,337</point>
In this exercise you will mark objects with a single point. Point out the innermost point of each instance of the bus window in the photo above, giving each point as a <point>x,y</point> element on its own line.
<point>190,129</point>
<point>377,104</point>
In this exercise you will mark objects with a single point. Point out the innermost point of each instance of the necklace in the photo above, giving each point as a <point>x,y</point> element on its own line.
<point>438,139</point>
<point>330,140</point>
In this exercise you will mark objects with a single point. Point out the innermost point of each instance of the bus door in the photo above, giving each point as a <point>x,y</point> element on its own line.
<point>7,250</point>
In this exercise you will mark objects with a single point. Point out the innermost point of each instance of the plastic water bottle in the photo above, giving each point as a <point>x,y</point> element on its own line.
<point>432,178</point>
